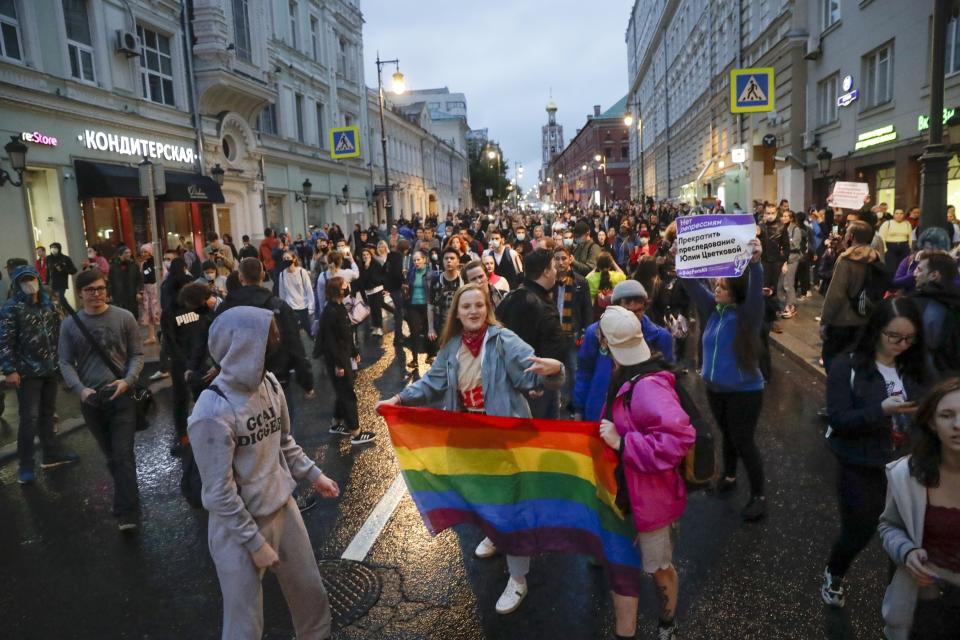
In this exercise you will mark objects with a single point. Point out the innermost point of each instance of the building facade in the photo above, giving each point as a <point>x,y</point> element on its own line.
<point>428,174</point>
<point>868,96</point>
<point>595,166</point>
<point>679,57</point>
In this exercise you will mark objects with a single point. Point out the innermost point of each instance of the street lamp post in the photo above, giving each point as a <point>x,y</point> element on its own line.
<point>398,88</point>
<point>153,182</point>
<point>494,155</point>
<point>307,190</point>
<point>933,162</point>
<point>17,152</point>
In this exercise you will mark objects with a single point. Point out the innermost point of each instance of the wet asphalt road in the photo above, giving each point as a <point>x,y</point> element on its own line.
<point>67,573</point>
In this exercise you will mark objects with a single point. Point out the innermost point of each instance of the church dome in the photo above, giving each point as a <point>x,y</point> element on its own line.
<point>551,106</point>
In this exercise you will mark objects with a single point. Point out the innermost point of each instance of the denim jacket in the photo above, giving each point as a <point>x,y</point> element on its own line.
<point>504,377</point>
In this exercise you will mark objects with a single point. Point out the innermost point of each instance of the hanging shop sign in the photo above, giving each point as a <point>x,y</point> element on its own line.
<point>39,138</point>
<point>738,154</point>
<point>875,136</point>
<point>923,122</point>
<point>137,147</point>
<point>849,94</point>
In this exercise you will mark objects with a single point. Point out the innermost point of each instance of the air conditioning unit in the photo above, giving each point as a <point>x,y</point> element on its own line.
<point>810,140</point>
<point>814,50</point>
<point>128,42</point>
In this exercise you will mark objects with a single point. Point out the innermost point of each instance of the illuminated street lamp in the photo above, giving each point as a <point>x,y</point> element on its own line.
<point>399,86</point>
<point>628,119</point>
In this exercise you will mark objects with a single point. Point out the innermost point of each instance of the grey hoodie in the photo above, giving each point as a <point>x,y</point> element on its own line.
<point>243,445</point>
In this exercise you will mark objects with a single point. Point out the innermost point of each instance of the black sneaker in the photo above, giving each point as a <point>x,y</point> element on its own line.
<point>755,509</point>
<point>726,484</point>
<point>832,591</point>
<point>59,460</point>
<point>339,430</point>
<point>127,523</point>
<point>363,438</point>
<point>413,364</point>
<point>666,632</point>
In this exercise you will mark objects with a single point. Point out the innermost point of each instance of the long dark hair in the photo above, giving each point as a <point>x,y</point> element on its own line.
<point>604,265</point>
<point>621,374</point>
<point>911,361</point>
<point>746,342</point>
<point>927,448</point>
<point>647,273</point>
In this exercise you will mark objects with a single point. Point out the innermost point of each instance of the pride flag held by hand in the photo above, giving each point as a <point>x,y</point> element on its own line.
<point>532,486</point>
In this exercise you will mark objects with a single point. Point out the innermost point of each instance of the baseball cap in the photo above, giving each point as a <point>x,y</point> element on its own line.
<point>628,289</point>
<point>624,335</point>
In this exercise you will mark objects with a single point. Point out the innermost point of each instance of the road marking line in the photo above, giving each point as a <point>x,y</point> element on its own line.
<point>361,544</point>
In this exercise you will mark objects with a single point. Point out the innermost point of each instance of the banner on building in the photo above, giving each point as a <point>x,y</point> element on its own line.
<point>849,195</point>
<point>714,246</point>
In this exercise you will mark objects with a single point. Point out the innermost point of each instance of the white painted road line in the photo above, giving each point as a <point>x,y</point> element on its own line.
<point>361,544</point>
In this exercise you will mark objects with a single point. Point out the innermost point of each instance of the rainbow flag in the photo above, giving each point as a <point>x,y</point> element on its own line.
<point>532,486</point>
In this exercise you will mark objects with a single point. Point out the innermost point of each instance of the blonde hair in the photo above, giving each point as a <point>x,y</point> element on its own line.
<point>454,327</point>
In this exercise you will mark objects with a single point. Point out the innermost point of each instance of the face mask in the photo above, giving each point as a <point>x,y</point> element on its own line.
<point>494,244</point>
<point>521,236</point>
<point>91,255</point>
<point>568,242</point>
<point>54,251</point>
<point>287,264</point>
<point>166,264</point>
<point>30,287</point>
<point>210,276</point>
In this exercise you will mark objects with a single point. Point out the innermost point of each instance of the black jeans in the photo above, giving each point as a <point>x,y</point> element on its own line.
<point>181,397</point>
<point>37,398</point>
<point>113,425</point>
<point>737,414</point>
<point>836,341</point>
<point>862,492</point>
<point>937,619</point>
<point>375,300</point>
<point>303,319</point>
<point>345,402</point>
<point>399,306</point>
<point>417,321</point>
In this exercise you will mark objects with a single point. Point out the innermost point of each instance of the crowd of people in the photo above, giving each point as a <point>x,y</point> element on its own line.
<point>576,314</point>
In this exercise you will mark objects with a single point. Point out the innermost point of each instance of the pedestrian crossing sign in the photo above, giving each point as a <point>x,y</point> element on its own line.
<point>344,142</point>
<point>751,90</point>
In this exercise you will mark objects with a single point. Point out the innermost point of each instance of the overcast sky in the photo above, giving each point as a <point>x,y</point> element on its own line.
<point>505,55</point>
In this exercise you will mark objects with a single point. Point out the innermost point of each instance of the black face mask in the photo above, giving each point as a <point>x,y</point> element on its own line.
<point>287,263</point>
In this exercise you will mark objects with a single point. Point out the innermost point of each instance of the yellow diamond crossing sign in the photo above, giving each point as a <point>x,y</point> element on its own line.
<point>751,90</point>
<point>344,142</point>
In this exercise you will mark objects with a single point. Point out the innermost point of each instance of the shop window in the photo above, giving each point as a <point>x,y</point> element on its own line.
<point>101,223</point>
<point>241,29</point>
<point>156,66</point>
<point>175,226</point>
<point>877,77</point>
<point>9,31</point>
<point>886,186</point>
<point>953,182</point>
<point>827,100</point>
<point>275,213</point>
<point>79,42</point>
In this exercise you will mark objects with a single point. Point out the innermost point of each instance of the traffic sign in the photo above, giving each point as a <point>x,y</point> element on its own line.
<point>344,142</point>
<point>751,90</point>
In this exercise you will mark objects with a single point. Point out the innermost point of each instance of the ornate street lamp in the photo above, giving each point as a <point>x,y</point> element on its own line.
<point>824,158</point>
<point>217,172</point>
<point>17,152</point>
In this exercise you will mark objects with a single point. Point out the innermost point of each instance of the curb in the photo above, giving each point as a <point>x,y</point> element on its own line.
<point>815,369</point>
<point>9,452</point>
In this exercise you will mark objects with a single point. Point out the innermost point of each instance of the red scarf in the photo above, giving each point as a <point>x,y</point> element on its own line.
<point>474,339</point>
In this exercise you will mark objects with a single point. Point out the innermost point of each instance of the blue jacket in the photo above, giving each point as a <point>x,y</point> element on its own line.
<point>594,369</point>
<point>29,333</point>
<point>720,369</point>
<point>428,279</point>
<point>504,377</point>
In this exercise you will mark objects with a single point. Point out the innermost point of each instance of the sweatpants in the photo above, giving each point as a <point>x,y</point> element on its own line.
<point>862,492</point>
<point>298,574</point>
<point>737,414</point>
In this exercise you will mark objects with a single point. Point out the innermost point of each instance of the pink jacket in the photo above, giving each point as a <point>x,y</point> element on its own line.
<point>656,436</point>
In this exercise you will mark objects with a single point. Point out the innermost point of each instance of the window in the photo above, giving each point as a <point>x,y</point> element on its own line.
<point>878,77</point>
<point>292,9</point>
<point>156,66</point>
<point>267,122</point>
<point>79,42</point>
<point>953,46</point>
<point>315,37</point>
<point>241,29</point>
<point>827,100</point>
<point>342,47</point>
<point>321,127</point>
<point>456,104</point>
<point>830,12</point>
<point>625,153</point>
<point>9,31</point>
<point>298,106</point>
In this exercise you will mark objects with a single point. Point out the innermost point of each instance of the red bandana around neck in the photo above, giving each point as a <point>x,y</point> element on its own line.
<point>474,339</point>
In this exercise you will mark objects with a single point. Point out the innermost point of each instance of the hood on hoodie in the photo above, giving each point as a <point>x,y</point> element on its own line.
<point>238,342</point>
<point>861,253</point>
<point>27,271</point>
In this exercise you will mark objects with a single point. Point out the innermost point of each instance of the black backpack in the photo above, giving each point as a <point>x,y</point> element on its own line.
<point>873,291</point>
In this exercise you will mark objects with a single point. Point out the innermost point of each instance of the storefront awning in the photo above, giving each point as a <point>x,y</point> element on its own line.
<point>104,180</point>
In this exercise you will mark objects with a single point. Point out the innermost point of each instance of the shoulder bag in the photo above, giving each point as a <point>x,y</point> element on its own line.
<point>142,396</point>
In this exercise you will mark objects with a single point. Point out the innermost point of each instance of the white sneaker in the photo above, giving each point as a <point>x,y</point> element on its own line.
<point>159,375</point>
<point>376,331</point>
<point>512,596</point>
<point>486,549</point>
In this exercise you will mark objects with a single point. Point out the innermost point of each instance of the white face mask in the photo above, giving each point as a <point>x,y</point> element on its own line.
<point>54,251</point>
<point>210,276</point>
<point>494,244</point>
<point>166,264</point>
<point>31,287</point>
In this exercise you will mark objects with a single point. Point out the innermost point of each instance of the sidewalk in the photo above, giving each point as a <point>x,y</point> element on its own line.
<point>800,340</point>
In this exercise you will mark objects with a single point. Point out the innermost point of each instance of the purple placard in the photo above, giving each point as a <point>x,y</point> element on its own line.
<point>714,246</point>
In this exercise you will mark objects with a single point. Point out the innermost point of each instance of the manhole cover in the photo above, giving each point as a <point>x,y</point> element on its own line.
<point>352,588</point>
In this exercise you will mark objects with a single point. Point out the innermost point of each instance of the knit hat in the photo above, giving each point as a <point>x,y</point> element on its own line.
<point>624,335</point>
<point>628,289</point>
